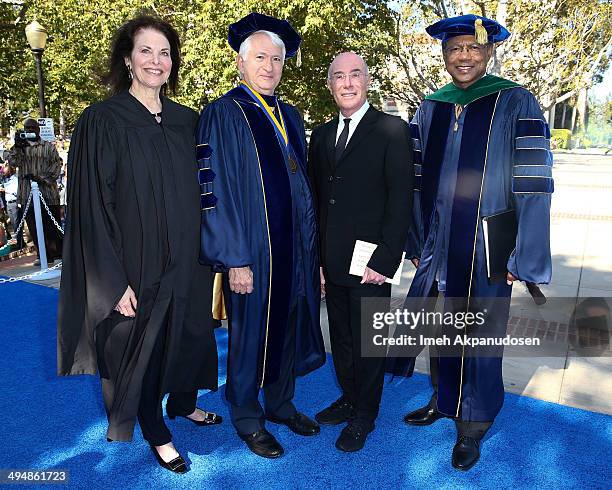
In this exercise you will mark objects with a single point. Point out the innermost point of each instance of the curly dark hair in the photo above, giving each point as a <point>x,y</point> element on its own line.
<point>117,77</point>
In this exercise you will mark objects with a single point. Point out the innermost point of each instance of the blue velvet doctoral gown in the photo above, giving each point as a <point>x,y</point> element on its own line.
<point>256,213</point>
<point>494,157</point>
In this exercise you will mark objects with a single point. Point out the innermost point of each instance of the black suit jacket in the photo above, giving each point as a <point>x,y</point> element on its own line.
<point>367,195</point>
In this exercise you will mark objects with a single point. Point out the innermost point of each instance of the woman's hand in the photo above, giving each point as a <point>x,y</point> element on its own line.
<point>127,304</point>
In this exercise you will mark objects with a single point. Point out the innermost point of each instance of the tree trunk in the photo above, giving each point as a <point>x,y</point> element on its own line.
<point>62,123</point>
<point>502,12</point>
<point>551,116</point>
<point>582,109</point>
<point>563,115</point>
<point>573,125</point>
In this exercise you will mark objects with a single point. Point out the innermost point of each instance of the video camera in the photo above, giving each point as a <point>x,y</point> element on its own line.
<point>21,137</point>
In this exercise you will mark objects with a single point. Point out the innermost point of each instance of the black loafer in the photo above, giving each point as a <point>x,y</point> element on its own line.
<point>210,418</point>
<point>177,465</point>
<point>466,453</point>
<point>423,416</point>
<point>263,444</point>
<point>337,413</point>
<point>354,435</point>
<point>299,424</point>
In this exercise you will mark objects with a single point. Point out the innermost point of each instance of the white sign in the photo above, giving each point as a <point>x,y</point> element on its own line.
<point>46,129</point>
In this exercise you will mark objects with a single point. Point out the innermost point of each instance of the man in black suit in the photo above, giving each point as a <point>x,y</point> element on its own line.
<point>361,171</point>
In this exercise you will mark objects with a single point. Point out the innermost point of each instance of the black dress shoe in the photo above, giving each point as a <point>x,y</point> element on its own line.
<point>299,423</point>
<point>423,416</point>
<point>263,444</point>
<point>338,412</point>
<point>466,453</point>
<point>177,465</point>
<point>210,418</point>
<point>354,435</point>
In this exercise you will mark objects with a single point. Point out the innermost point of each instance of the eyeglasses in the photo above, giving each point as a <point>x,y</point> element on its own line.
<point>341,77</point>
<point>470,48</point>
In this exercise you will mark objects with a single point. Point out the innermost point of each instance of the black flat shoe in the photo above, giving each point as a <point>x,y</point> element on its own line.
<point>465,453</point>
<point>423,416</point>
<point>299,424</point>
<point>354,435</point>
<point>263,444</point>
<point>177,465</point>
<point>210,418</point>
<point>338,412</point>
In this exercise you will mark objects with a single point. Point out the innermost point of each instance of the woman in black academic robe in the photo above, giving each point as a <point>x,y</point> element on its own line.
<point>135,304</point>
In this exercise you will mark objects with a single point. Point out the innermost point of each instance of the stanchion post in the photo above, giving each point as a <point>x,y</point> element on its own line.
<point>42,251</point>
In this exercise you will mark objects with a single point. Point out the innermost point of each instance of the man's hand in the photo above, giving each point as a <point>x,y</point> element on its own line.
<point>241,280</point>
<point>322,282</point>
<point>416,261</point>
<point>127,304</point>
<point>510,279</point>
<point>372,277</point>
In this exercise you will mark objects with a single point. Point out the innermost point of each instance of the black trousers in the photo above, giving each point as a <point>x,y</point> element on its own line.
<point>278,396</point>
<point>361,378</point>
<point>53,237</point>
<point>150,415</point>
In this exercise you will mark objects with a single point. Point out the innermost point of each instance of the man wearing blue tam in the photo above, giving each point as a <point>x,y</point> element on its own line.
<point>259,230</point>
<point>481,149</point>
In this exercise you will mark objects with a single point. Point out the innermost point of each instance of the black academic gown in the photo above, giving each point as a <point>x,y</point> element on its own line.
<point>133,219</point>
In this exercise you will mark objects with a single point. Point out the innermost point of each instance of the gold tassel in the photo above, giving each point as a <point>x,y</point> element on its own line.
<point>298,61</point>
<point>481,33</point>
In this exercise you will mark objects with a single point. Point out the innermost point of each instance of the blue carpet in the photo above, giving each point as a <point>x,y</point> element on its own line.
<point>51,422</point>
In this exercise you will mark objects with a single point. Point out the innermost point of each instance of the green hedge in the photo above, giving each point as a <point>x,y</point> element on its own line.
<point>560,138</point>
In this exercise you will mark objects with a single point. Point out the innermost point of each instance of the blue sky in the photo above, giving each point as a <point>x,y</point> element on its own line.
<point>603,90</point>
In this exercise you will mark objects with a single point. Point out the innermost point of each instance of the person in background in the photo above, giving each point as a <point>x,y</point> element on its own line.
<point>10,186</point>
<point>38,160</point>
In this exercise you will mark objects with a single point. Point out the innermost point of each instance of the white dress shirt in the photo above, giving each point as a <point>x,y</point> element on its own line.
<point>355,118</point>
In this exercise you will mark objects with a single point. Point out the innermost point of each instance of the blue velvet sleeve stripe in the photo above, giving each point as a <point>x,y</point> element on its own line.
<point>532,127</point>
<point>532,157</point>
<point>532,185</point>
<point>205,176</point>
<point>203,152</point>
<point>532,171</point>
<point>418,158</point>
<point>417,182</point>
<point>414,131</point>
<point>532,143</point>
<point>207,201</point>
<point>418,169</point>
<point>416,144</point>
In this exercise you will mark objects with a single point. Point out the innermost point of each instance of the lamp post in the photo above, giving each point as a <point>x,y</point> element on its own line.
<point>37,39</point>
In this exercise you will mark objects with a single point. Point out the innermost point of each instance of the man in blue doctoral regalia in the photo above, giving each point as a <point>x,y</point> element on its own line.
<point>259,229</point>
<point>481,148</point>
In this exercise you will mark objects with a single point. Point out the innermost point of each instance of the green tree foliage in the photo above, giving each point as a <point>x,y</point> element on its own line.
<point>557,47</point>
<point>82,31</point>
<point>16,67</point>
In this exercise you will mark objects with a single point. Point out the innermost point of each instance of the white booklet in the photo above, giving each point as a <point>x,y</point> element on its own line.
<point>361,256</point>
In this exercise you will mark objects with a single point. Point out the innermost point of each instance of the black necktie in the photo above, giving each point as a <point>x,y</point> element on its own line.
<point>342,139</point>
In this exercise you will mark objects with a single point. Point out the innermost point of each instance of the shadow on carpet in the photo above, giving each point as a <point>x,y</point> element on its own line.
<point>53,422</point>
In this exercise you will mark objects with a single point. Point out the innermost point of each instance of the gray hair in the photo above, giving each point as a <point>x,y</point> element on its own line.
<point>275,38</point>
<point>330,72</point>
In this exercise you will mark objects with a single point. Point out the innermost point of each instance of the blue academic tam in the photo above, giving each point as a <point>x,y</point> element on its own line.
<point>239,31</point>
<point>465,25</point>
